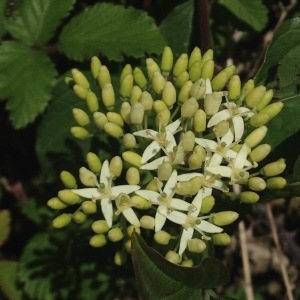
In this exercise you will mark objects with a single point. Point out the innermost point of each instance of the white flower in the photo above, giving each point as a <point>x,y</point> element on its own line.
<point>235,114</point>
<point>106,192</point>
<point>165,201</point>
<point>191,221</point>
<point>162,139</point>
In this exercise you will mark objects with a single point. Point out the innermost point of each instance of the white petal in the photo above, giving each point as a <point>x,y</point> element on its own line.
<point>172,127</point>
<point>188,176</point>
<point>205,143</point>
<point>153,165</point>
<point>107,210</point>
<point>150,195</point>
<point>208,87</point>
<point>150,151</point>
<point>131,217</point>
<point>160,220</point>
<point>187,234</point>
<point>230,154</point>
<point>220,170</point>
<point>205,226</point>
<point>245,111</point>
<point>88,193</point>
<point>216,159</point>
<point>240,159</point>
<point>180,204</point>
<point>127,189</point>
<point>171,184</point>
<point>238,126</point>
<point>197,202</point>
<point>105,174</point>
<point>146,133</point>
<point>177,217</point>
<point>218,117</point>
<point>228,137</point>
<point>171,142</point>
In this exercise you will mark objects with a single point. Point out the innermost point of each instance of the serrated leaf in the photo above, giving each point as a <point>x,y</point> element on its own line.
<point>174,282</point>
<point>177,27</point>
<point>35,21</point>
<point>8,272</point>
<point>26,78</point>
<point>254,13</point>
<point>112,30</point>
<point>5,220</point>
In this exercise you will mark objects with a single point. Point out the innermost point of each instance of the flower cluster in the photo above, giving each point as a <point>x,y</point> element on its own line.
<point>186,136</point>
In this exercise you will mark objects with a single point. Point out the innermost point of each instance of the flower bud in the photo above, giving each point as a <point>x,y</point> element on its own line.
<point>173,257</point>
<point>169,94</point>
<point>167,60</point>
<point>234,88</point>
<point>93,162</point>
<point>125,112</point>
<point>115,234</point>
<point>162,119</point>
<point>208,203</point>
<point>221,239</point>
<point>208,55</point>
<point>276,183</point>
<point>274,168</point>
<point>154,185</point>
<point>116,166</point>
<point>188,263</point>
<point>212,103</point>
<point>255,96</point>
<point>120,258</point>
<point>184,92</point>
<point>95,66</point>
<point>265,100</point>
<point>103,77</point>
<point>98,240</point>
<point>159,106</point>
<point>256,184</point>
<point>79,217</point>
<point>249,197</point>
<point>219,81</point>
<point>100,226</point>
<point>68,197</point>
<point>180,65</point>
<point>100,119</point>
<point>133,176</point>
<point>61,221</point>
<point>221,128</point>
<point>135,95</point>
<point>247,88</point>
<point>224,218</point>
<point>158,82</point>
<point>137,113</point>
<point>132,158</point>
<point>151,66</point>
<point>68,179</point>
<point>183,188</point>
<point>126,70</point>
<point>80,133</point>
<point>87,177</point>
<point>195,71</point>
<point>273,109</point>
<point>181,79</point>
<point>146,100</point>
<point>129,141</point>
<point>162,237</point>
<point>108,96</point>
<point>139,78</point>
<point>260,152</point>
<point>80,79</point>
<point>229,70</point>
<point>260,119</point>
<point>132,228</point>
<point>195,161</point>
<point>140,202</point>
<point>127,246</point>
<point>196,184</point>
<point>256,136</point>
<point>199,121</point>
<point>195,56</point>
<point>92,101</point>
<point>113,129</point>
<point>80,91</point>
<point>164,171</point>
<point>188,140</point>
<point>89,207</point>
<point>189,108</point>
<point>115,118</point>
<point>55,203</point>
<point>196,245</point>
<point>208,69</point>
<point>147,222</point>
<point>81,117</point>
<point>198,89</point>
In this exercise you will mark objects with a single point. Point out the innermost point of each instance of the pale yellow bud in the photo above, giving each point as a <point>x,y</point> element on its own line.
<point>255,96</point>
<point>181,79</point>
<point>125,112</point>
<point>89,207</point>
<point>100,119</point>
<point>132,158</point>
<point>195,161</point>
<point>80,91</point>
<point>68,197</point>
<point>133,176</point>
<point>199,122</point>
<point>260,119</point>
<point>126,70</point>
<point>188,141</point>
<point>61,221</point>
<point>80,79</point>
<point>173,257</point>
<point>136,94</point>
<point>219,81</point>
<point>132,228</point>
<point>195,71</point>
<point>92,102</point>
<point>198,89</point>
<point>115,234</point>
<point>129,141</point>
<point>167,60</point>
<point>256,184</point>
<point>108,96</point>
<point>224,217</point>
<point>276,183</point>
<point>100,226</point>
<point>151,66</point>
<point>221,239</point>
<point>249,197</point>
<point>154,185</point>
<point>196,184</point>
<point>273,109</point>
<point>113,130</point>
<point>95,66</point>
<point>189,108</point>
<point>183,188</point>
<point>200,151</point>
<point>81,117</point>
<point>103,76</point>
<point>212,103</point>
<point>147,101</point>
<point>265,100</point>
<point>229,70</point>
<point>98,240</point>
<point>139,78</point>
<point>79,217</point>
<point>147,222</point>
<point>188,263</point>
<point>195,56</point>
<point>158,82</point>
<point>207,204</point>
<point>159,105</point>
<point>221,128</point>
<point>163,118</point>
<point>87,177</point>
<point>115,118</point>
<point>234,88</point>
<point>184,92</point>
<point>137,113</point>
<point>116,166</point>
<point>80,133</point>
<point>164,171</point>
<point>169,94</point>
<point>256,136</point>
<point>196,245</point>
<point>140,202</point>
<point>274,168</point>
<point>180,65</point>
<point>127,246</point>
<point>120,258</point>
<point>260,152</point>
<point>208,55</point>
<point>162,237</point>
<point>126,86</point>
<point>207,70</point>
<point>68,180</point>
<point>56,203</point>
<point>247,88</point>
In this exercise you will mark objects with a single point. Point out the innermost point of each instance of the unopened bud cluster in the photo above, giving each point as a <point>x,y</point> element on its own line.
<point>184,133</point>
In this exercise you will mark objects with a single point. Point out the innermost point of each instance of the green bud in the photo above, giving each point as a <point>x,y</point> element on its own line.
<point>132,228</point>
<point>80,132</point>
<point>256,136</point>
<point>247,88</point>
<point>173,257</point>
<point>181,79</point>
<point>137,113</point>
<point>81,117</point>
<point>151,66</point>
<point>61,221</point>
<point>221,128</point>
<point>212,103</point>
<point>80,91</point>
<point>87,177</point>
<point>98,240</point>
<point>196,184</point>
<point>188,263</point>
<point>100,119</point>
<point>100,226</point>
<point>115,118</point>
<point>180,65</point>
<point>132,158</point>
<point>256,184</point>
<point>92,102</point>
<point>189,108</point>
<point>183,188</point>
<point>140,202</point>
<point>229,70</point>
<point>116,166</point>
<point>255,96</point>
<point>139,78</point>
<point>195,71</point>
<point>273,109</point>
<point>159,106</point>
<point>195,161</point>
<point>184,92</point>
<point>249,197</point>
<point>68,180</point>
<point>169,94</point>
<point>89,207</point>
<point>68,197</point>
<point>158,82</point>
<point>79,217</point>
<point>260,119</point>
<point>133,176</point>
<point>135,95</point>
<point>224,217</point>
<point>195,56</point>
<point>219,81</point>
<point>196,245</point>
<point>162,119</point>
<point>95,66</point>
<point>146,100</point>
<point>276,183</point>
<point>120,258</point>
<point>234,88</point>
<point>93,161</point>
<point>208,55</point>
<point>265,100</point>
<point>80,79</point>
<point>164,171</point>
<point>129,141</point>
<point>207,204</point>
<point>113,129</point>
<point>126,86</point>
<point>127,246</point>
<point>103,77</point>
<point>147,222</point>
<point>274,168</point>
<point>198,89</point>
<point>167,60</point>
<point>188,140</point>
<point>108,96</point>
<point>199,121</point>
<point>208,69</point>
<point>126,70</point>
<point>260,152</point>
<point>115,234</point>
<point>125,112</point>
<point>221,239</point>
<point>55,203</point>
<point>162,237</point>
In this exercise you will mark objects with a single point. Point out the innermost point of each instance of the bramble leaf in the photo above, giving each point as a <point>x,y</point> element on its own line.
<point>26,77</point>
<point>111,30</point>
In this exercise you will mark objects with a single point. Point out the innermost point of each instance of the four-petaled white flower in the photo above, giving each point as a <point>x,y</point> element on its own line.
<point>191,221</point>
<point>162,140</point>
<point>165,201</point>
<point>106,192</point>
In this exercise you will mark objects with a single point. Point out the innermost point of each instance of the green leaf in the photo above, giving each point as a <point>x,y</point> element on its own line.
<point>112,30</point>
<point>8,272</point>
<point>36,21</point>
<point>254,13</point>
<point>5,220</point>
<point>158,278</point>
<point>26,78</point>
<point>177,27</point>
<point>3,10</point>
